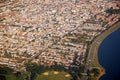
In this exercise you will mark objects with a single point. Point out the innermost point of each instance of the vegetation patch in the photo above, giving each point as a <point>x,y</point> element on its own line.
<point>53,75</point>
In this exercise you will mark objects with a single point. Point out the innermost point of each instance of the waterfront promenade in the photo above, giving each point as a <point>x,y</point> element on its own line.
<point>92,60</point>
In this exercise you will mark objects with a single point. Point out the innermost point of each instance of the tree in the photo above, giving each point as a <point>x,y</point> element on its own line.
<point>95,71</point>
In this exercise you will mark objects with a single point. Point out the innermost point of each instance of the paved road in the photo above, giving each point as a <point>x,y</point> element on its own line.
<point>91,55</point>
<point>97,42</point>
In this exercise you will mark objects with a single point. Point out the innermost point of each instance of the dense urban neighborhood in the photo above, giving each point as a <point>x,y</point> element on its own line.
<point>52,32</point>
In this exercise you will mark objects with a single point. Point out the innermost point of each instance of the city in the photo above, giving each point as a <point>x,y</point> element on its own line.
<point>50,32</point>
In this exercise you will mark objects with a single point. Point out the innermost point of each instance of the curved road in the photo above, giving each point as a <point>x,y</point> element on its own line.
<point>96,44</point>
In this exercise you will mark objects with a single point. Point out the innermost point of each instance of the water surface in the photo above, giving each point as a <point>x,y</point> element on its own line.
<point>109,56</point>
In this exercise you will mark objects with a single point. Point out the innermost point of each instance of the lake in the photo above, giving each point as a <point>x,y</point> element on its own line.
<point>109,56</point>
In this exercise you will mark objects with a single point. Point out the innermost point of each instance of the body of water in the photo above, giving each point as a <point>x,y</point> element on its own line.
<point>109,56</point>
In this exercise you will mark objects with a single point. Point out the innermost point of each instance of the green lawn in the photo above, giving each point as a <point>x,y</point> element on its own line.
<point>52,75</point>
<point>13,77</point>
<point>10,77</point>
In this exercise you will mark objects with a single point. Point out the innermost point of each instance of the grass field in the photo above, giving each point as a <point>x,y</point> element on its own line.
<point>53,75</point>
<point>9,77</point>
<point>13,77</point>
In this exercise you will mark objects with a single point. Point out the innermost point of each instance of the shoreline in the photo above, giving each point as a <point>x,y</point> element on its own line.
<point>94,46</point>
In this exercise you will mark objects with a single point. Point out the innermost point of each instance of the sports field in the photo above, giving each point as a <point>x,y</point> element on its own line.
<point>53,75</point>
